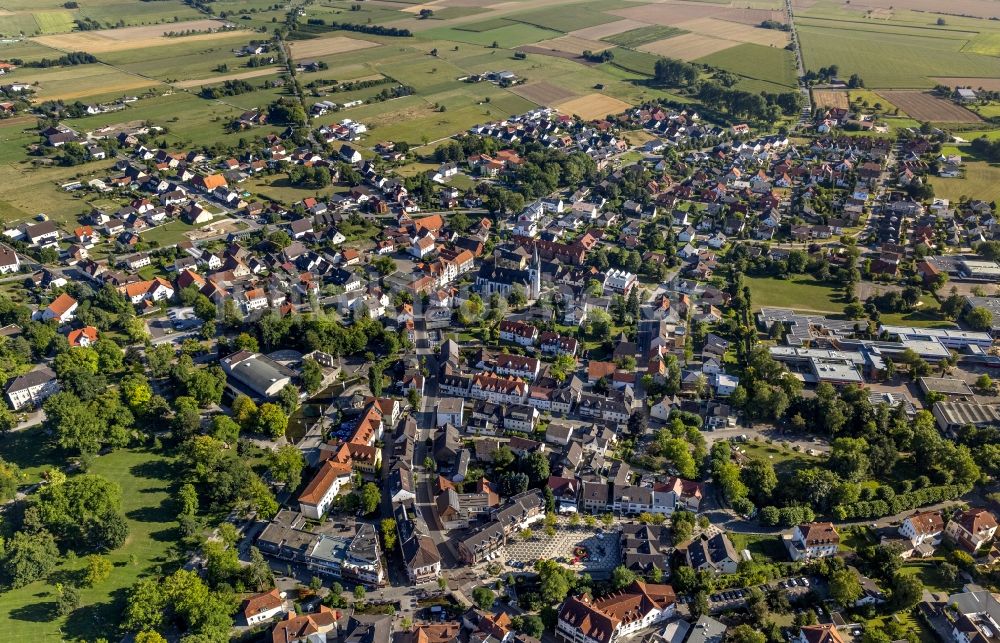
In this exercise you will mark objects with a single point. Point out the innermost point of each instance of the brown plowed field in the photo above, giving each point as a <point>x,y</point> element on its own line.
<point>924,107</point>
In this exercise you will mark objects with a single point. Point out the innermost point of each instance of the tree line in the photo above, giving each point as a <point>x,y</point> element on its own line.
<point>376,30</point>
<point>74,58</point>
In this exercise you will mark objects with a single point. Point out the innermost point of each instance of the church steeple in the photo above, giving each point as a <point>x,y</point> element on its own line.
<point>536,275</point>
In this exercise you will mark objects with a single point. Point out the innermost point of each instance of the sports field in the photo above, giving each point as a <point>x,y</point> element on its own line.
<point>800,293</point>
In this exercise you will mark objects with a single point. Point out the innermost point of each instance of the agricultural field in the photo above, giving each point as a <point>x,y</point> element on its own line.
<point>593,106</point>
<point>925,107</point>
<point>308,49</point>
<point>26,18</point>
<point>180,61</point>
<point>898,48</point>
<point>989,84</point>
<point>690,46</point>
<point>756,62</point>
<point>634,38</point>
<point>830,98</point>
<point>543,93</point>
<point>98,42</point>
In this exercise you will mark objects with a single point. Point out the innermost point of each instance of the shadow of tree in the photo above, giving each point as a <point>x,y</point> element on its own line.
<point>36,612</point>
<point>156,513</point>
<point>96,620</point>
<point>152,469</point>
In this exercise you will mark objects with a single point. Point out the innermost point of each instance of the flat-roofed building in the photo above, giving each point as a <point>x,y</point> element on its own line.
<point>949,338</point>
<point>948,386</point>
<point>952,416</point>
<point>257,374</point>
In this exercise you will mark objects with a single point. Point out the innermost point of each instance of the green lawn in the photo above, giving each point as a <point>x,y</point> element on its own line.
<point>761,547</point>
<point>926,571</point>
<point>927,315</point>
<point>145,478</point>
<point>801,293</point>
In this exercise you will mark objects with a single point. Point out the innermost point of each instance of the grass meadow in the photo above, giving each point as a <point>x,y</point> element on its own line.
<point>146,477</point>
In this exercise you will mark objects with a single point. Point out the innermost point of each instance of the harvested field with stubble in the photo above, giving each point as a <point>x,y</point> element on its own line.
<point>925,107</point>
<point>737,31</point>
<point>593,106</point>
<point>976,8</point>
<point>690,46</point>
<point>574,45</point>
<point>830,99</point>
<point>672,14</point>
<point>543,93</point>
<point>327,46</point>
<point>608,29</point>
<point>254,73</point>
<point>103,41</point>
<point>989,84</point>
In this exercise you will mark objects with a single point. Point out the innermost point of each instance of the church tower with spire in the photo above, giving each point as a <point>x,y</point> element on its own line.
<point>536,276</point>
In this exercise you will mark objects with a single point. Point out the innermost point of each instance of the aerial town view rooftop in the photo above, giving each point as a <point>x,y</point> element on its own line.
<point>486,321</point>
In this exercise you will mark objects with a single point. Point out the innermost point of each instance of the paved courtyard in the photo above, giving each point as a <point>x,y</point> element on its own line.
<point>604,549</point>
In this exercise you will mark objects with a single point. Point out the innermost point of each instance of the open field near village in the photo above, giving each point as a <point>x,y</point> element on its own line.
<point>593,106</point>
<point>925,107</point>
<point>830,98</point>
<point>40,17</point>
<point>900,48</point>
<point>327,46</point>
<point>96,42</point>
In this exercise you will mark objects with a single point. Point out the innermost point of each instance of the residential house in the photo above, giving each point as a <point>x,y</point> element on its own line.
<point>62,309</point>
<point>812,540</point>
<point>261,608</point>
<point>32,388</point>
<point>712,553</point>
<point>972,528</point>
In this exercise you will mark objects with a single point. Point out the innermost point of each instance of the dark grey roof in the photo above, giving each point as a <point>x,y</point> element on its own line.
<point>35,377</point>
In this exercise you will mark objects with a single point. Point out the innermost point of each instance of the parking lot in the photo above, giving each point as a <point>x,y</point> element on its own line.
<point>603,550</point>
<point>735,598</point>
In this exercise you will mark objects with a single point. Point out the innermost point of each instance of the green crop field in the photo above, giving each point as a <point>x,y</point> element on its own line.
<point>182,61</point>
<point>636,61</point>
<point>643,35</point>
<point>757,62</point>
<point>512,35</point>
<point>54,21</point>
<point>906,51</point>
<point>29,191</point>
<point>146,478</point>
<point>566,19</point>
<point>485,25</point>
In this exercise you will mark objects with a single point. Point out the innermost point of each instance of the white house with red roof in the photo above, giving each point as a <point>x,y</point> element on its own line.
<point>62,309</point>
